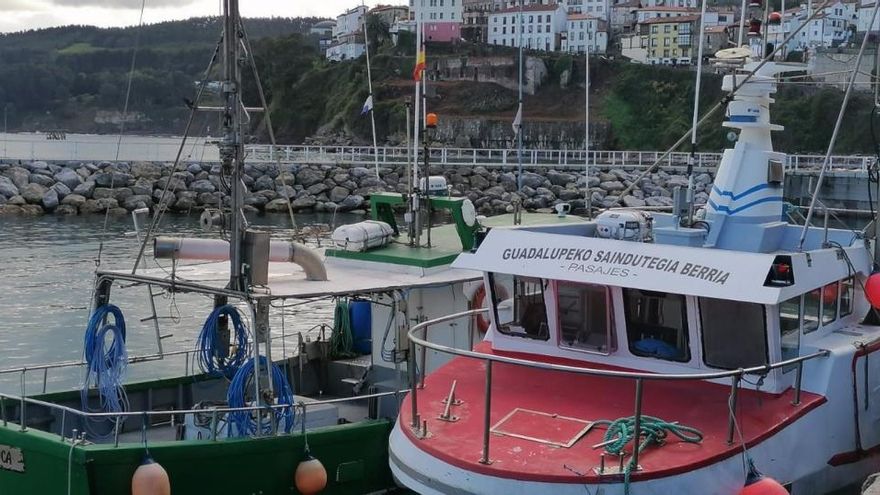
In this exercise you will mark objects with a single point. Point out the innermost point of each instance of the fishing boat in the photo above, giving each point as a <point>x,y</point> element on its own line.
<point>244,415</point>
<point>660,353</point>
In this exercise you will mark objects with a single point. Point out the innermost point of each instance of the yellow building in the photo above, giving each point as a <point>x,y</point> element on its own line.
<point>668,40</point>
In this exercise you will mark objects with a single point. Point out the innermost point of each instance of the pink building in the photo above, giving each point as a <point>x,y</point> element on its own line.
<point>442,31</point>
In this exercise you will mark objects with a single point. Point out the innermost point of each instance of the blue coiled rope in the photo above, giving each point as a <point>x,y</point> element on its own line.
<point>105,366</point>
<point>213,355</point>
<point>244,423</point>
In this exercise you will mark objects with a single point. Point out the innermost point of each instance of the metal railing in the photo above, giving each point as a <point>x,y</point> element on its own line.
<point>736,376</point>
<point>119,418</point>
<point>135,148</point>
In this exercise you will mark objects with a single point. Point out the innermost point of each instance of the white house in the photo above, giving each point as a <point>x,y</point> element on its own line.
<point>596,8</point>
<point>634,47</point>
<point>670,3</point>
<point>542,26</point>
<point>348,35</point>
<point>349,22</point>
<point>830,27</point>
<point>583,30</point>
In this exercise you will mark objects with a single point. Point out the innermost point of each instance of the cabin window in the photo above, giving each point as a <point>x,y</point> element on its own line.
<point>734,333</point>
<point>656,324</point>
<point>846,296</point>
<point>585,317</point>
<point>812,305</point>
<point>789,329</point>
<point>829,303</point>
<point>519,306</point>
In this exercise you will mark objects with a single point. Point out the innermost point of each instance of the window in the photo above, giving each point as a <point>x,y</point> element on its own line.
<point>789,326</point>
<point>441,15</point>
<point>519,305</point>
<point>654,29</point>
<point>846,296</point>
<point>531,18</point>
<point>829,303</point>
<point>811,310</point>
<point>656,324</point>
<point>539,28</point>
<point>667,28</point>
<point>734,333</point>
<point>504,30</point>
<point>585,317</point>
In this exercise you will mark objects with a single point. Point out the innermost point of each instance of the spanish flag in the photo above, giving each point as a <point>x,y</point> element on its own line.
<point>420,64</point>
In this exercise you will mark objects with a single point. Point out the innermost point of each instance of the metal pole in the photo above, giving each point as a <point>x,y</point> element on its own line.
<point>413,378</point>
<point>690,166</point>
<point>487,414</point>
<point>414,198</point>
<point>797,383</point>
<point>637,436</point>
<point>588,197</point>
<point>519,139</point>
<point>731,418</point>
<point>409,174</point>
<point>742,23</point>
<point>370,91</point>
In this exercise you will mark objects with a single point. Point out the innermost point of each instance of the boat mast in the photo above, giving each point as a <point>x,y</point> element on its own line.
<point>588,197</point>
<point>231,145</point>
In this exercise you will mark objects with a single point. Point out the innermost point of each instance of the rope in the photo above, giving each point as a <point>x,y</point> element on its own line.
<point>213,353</point>
<point>243,423</point>
<point>654,430</point>
<point>342,340</point>
<point>106,366</point>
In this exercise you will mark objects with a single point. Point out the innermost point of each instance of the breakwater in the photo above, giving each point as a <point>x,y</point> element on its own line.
<point>71,188</point>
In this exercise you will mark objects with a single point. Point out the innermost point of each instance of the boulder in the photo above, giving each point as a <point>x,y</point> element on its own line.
<point>532,180</point>
<point>263,182</point>
<point>16,200</point>
<point>146,170</point>
<point>338,194</point>
<point>66,210</point>
<point>194,168</point>
<point>39,165</point>
<point>276,205</point>
<point>61,189</point>
<point>33,210</point>
<point>478,182</point>
<point>137,201</point>
<point>360,172</point>
<point>142,186</point>
<point>255,199</point>
<point>7,188</point>
<point>74,200</point>
<point>8,209</point>
<point>351,202</point>
<point>113,179</point>
<point>42,180</point>
<point>309,176</point>
<point>613,185</point>
<point>33,193</point>
<point>202,186</point>
<point>86,189</point>
<point>494,192</point>
<point>102,192</point>
<point>317,189</point>
<point>632,202</point>
<point>69,178</point>
<point>303,203</point>
<point>19,176</point>
<point>560,178</point>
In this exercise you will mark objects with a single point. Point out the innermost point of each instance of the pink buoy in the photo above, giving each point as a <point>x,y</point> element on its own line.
<point>872,290</point>
<point>150,478</point>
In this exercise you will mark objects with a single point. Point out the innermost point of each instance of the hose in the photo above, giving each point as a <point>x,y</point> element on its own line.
<point>213,353</point>
<point>342,340</point>
<point>654,430</point>
<point>105,365</point>
<point>243,423</point>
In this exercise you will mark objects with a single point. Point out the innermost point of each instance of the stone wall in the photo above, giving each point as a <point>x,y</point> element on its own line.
<point>70,188</point>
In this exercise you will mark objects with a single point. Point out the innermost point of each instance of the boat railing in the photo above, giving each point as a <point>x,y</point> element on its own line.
<point>418,341</point>
<point>117,419</point>
<point>188,354</point>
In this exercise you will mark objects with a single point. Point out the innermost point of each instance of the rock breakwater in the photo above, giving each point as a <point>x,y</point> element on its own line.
<point>71,188</point>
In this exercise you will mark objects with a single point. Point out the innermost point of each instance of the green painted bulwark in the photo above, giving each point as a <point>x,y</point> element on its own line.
<point>355,455</point>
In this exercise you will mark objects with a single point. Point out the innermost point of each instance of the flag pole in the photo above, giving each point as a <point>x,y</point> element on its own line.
<point>588,197</point>
<point>417,123</point>
<point>370,91</point>
<point>519,140</point>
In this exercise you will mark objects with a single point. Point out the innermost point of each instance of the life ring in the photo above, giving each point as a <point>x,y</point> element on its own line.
<point>478,300</point>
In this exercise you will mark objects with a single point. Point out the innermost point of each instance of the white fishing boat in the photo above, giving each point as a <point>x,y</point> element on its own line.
<point>659,353</point>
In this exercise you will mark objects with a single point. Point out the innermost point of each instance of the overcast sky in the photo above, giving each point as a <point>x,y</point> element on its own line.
<point>19,15</point>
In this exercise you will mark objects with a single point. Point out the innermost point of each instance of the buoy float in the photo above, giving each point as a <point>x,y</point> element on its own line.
<point>478,300</point>
<point>310,477</point>
<point>774,19</point>
<point>431,120</point>
<point>872,290</point>
<point>754,27</point>
<point>150,478</point>
<point>758,484</point>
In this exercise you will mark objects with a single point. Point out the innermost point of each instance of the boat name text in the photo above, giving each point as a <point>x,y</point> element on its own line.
<point>621,262</point>
<point>11,459</point>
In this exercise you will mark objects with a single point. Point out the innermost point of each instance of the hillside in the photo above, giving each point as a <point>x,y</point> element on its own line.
<point>74,79</point>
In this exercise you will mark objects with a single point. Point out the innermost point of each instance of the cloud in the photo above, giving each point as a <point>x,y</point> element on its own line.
<point>117,4</point>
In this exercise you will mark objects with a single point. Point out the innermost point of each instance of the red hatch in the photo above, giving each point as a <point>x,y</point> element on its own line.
<point>536,412</point>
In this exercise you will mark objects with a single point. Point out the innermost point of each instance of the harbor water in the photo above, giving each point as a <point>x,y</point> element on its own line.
<point>46,281</point>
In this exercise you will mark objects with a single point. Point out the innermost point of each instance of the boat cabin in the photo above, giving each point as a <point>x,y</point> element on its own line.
<point>662,308</point>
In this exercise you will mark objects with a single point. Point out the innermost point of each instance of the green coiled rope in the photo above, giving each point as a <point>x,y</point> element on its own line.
<point>653,431</point>
<point>342,340</point>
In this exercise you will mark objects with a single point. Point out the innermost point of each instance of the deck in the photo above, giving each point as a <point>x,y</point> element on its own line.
<point>552,408</point>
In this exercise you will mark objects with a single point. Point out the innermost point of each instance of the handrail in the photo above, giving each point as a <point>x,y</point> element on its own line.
<point>736,377</point>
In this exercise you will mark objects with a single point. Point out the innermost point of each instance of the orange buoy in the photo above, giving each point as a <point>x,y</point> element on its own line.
<point>431,120</point>
<point>150,478</point>
<point>310,477</point>
<point>758,484</point>
<point>774,19</point>
<point>872,290</point>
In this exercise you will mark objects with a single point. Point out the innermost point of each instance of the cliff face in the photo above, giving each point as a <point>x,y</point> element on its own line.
<point>477,132</point>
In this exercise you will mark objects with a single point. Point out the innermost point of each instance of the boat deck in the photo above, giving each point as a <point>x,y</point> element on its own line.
<point>547,410</point>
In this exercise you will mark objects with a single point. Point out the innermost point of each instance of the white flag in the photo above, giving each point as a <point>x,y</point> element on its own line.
<point>517,121</point>
<point>368,105</point>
